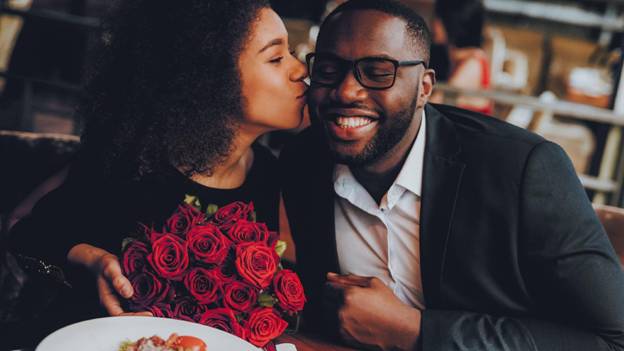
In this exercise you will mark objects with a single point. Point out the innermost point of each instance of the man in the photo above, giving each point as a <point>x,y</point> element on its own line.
<point>430,227</point>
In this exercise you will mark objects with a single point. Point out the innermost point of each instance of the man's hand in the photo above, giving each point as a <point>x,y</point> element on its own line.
<point>111,283</point>
<point>372,315</point>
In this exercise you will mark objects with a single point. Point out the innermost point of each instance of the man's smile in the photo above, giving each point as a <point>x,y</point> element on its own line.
<point>348,124</point>
<point>350,128</point>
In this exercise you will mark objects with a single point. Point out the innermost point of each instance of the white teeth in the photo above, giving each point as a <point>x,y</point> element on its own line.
<point>352,122</point>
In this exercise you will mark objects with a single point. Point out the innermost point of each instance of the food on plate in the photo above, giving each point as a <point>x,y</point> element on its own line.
<point>174,343</point>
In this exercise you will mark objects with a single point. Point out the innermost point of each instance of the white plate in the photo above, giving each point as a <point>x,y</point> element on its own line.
<point>107,334</point>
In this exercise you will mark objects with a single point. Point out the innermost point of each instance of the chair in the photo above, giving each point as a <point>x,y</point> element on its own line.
<point>612,219</point>
<point>509,68</point>
<point>576,139</point>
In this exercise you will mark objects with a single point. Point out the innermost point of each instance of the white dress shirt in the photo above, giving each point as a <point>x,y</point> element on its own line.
<point>383,240</point>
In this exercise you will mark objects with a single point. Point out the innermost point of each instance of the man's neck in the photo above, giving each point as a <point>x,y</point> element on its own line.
<point>377,184</point>
<point>378,176</point>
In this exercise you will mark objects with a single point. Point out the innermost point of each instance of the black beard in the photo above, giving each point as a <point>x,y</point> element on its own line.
<point>393,129</point>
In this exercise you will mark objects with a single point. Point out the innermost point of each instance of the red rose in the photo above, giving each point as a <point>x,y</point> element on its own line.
<point>186,308</point>
<point>148,289</point>
<point>226,216</point>
<point>245,231</point>
<point>150,233</point>
<point>264,325</point>
<point>169,257</point>
<point>208,244</point>
<point>134,257</point>
<point>185,217</point>
<point>161,310</point>
<point>203,284</point>
<point>223,319</point>
<point>289,290</point>
<point>145,231</point>
<point>227,272</point>
<point>239,296</point>
<point>154,235</point>
<point>256,263</point>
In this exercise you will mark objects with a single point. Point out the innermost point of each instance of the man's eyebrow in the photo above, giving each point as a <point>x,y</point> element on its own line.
<point>374,56</point>
<point>274,42</point>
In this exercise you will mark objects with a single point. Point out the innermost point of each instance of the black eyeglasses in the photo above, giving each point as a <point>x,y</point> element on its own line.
<point>371,72</point>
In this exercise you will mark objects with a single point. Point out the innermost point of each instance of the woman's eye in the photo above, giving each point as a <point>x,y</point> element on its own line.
<point>276,60</point>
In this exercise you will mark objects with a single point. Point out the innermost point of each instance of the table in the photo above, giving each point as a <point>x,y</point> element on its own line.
<point>306,342</point>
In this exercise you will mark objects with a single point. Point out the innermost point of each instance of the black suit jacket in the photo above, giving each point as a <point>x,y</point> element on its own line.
<point>513,256</point>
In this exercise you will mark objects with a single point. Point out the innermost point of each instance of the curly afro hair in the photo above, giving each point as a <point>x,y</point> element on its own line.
<point>166,88</point>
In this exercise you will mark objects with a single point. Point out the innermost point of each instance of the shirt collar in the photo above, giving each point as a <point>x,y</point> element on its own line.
<point>410,176</point>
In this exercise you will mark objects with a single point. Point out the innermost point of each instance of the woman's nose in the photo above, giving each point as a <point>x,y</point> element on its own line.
<point>300,72</point>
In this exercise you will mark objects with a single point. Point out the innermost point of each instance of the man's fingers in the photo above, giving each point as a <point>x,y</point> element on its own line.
<point>108,299</point>
<point>338,286</point>
<point>349,279</point>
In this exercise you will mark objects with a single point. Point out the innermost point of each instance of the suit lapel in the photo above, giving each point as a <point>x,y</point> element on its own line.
<point>321,222</point>
<point>442,175</point>
<point>329,227</point>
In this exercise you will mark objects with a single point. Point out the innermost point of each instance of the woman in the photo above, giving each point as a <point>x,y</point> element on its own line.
<point>182,93</point>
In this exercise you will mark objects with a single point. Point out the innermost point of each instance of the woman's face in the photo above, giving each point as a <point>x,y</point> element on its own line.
<point>271,78</point>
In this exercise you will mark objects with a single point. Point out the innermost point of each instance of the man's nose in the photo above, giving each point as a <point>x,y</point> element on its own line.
<point>349,90</point>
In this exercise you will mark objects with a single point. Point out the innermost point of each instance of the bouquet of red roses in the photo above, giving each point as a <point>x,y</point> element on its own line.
<point>219,268</point>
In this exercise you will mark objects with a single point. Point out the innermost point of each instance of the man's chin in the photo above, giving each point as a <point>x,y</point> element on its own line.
<point>348,157</point>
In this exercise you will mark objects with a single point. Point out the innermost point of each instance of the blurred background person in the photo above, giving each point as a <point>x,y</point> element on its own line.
<point>457,56</point>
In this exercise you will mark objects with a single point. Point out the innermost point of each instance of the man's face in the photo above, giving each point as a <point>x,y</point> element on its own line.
<point>363,125</point>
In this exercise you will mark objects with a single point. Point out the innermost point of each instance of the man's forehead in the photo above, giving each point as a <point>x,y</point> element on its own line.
<point>359,33</point>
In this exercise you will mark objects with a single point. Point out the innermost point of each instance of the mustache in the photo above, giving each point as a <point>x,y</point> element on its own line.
<point>337,106</point>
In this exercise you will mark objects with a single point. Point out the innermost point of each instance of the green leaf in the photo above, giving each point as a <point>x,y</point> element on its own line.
<point>253,216</point>
<point>192,200</point>
<point>125,345</point>
<point>126,242</point>
<point>280,247</point>
<point>211,209</point>
<point>266,300</point>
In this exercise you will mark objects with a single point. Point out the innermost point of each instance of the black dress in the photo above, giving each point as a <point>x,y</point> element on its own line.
<point>104,213</point>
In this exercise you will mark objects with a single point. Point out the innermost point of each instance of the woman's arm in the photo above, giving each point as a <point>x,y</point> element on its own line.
<point>25,206</point>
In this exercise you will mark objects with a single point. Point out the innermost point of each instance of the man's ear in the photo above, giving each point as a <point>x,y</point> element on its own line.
<point>426,87</point>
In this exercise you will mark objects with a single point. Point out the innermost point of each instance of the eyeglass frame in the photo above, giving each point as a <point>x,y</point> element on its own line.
<point>356,71</point>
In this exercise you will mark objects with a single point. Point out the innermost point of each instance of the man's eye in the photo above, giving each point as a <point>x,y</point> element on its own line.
<point>277,60</point>
<point>373,72</point>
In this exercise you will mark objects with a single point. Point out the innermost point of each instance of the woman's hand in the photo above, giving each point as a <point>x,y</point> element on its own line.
<point>111,283</point>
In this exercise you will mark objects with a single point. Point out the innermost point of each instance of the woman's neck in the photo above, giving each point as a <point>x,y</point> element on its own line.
<point>232,171</point>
